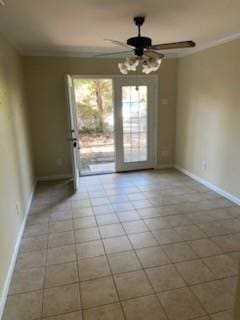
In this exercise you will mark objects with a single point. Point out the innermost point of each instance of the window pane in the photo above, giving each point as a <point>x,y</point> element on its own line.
<point>134,112</point>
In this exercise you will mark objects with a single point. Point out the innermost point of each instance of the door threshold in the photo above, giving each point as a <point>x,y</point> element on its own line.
<point>96,173</point>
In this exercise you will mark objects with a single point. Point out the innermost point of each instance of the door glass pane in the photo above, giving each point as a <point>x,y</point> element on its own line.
<point>134,113</point>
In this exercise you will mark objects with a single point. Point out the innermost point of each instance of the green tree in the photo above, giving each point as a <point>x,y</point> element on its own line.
<point>94,102</point>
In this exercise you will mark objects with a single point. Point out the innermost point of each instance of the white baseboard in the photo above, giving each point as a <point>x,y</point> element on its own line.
<point>209,185</point>
<point>164,166</point>
<point>7,283</point>
<point>55,177</point>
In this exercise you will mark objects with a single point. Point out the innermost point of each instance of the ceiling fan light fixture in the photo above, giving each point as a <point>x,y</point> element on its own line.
<point>151,65</point>
<point>123,68</point>
<point>132,63</point>
<point>148,64</point>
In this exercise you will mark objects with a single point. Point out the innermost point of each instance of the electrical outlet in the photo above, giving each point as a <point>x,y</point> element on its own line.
<point>204,165</point>
<point>59,162</point>
<point>18,210</point>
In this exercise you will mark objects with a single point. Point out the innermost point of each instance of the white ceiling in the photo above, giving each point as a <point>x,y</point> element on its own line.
<point>79,27</point>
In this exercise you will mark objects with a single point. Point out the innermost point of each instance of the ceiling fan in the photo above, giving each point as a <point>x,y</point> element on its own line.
<point>144,51</point>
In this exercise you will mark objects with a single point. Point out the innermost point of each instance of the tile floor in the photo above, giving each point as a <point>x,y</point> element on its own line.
<point>152,245</point>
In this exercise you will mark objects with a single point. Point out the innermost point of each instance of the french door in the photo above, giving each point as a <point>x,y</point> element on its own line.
<point>134,108</point>
<point>135,118</point>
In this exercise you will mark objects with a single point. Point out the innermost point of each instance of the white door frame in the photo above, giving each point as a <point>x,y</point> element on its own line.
<point>117,76</point>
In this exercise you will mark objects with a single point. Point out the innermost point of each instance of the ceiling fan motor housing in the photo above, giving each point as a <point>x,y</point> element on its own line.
<point>140,42</point>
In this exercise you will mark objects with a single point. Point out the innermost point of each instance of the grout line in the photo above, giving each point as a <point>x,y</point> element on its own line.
<point>112,275</point>
<point>78,273</point>
<point>45,267</point>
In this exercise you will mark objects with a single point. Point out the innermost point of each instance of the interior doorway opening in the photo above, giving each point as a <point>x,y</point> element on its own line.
<point>95,121</point>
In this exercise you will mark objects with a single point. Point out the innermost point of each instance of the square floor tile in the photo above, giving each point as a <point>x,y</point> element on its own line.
<point>82,212</point>
<point>130,215</point>
<point>230,284</point>
<point>190,233</point>
<point>33,244</point>
<point>156,223</point>
<point>85,222</point>
<point>135,227</point>
<point>142,240</point>
<point>215,228</point>
<point>98,292</point>
<point>228,243</point>
<point>81,203</point>
<point>166,236</point>
<point>61,254</point>
<point>69,316</point>
<point>61,274</point>
<point>60,239</point>
<point>108,312</point>
<point>111,230</point>
<point>138,196</point>
<point>61,226</point>
<point>28,280</point>
<point>148,212</point>
<point>132,284</point>
<point>179,252</point>
<point>100,201</point>
<point>205,247</point>
<point>117,199</point>
<point>194,272</point>
<point>141,203</point>
<point>42,217</point>
<point>90,249</point>
<point>225,315</point>
<point>164,278</point>
<point>61,215</point>
<point>124,262</point>
<point>152,257</point>
<point>61,300</point>
<point>125,206</point>
<point>181,304</point>
<point>25,306</point>
<point>88,234</point>
<point>213,296</point>
<point>105,209</point>
<point>31,260</point>
<point>35,230</point>
<point>117,244</point>
<point>222,265</point>
<point>107,219</point>
<point>93,268</point>
<point>177,220</point>
<point>144,308</point>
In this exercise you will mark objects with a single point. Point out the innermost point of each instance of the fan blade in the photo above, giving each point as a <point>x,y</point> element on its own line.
<point>173,45</point>
<point>153,54</point>
<point>118,43</point>
<point>111,53</point>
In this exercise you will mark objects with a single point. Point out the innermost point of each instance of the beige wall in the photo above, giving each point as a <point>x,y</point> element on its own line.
<point>16,175</point>
<point>208,115</point>
<point>44,79</point>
